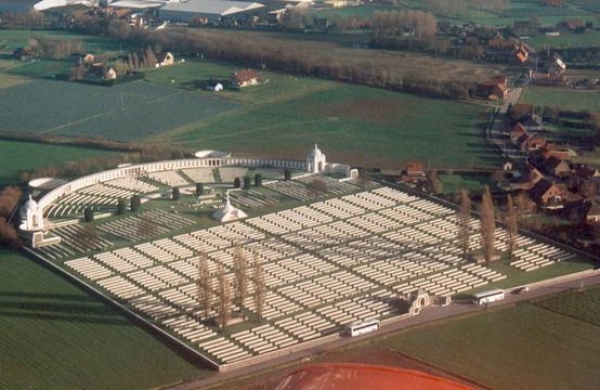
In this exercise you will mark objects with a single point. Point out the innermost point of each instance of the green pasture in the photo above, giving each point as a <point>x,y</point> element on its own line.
<point>364,126</point>
<point>41,68</point>
<point>453,183</point>
<point>193,75</point>
<point>55,336</point>
<point>583,305</point>
<point>10,40</point>
<point>19,157</point>
<point>124,112</point>
<point>525,347</point>
<point>563,98</point>
<point>566,40</point>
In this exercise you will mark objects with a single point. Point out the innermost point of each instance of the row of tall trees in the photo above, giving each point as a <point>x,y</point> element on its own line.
<point>512,217</point>
<point>220,299</point>
<point>289,59</point>
<point>461,7</point>
<point>398,23</point>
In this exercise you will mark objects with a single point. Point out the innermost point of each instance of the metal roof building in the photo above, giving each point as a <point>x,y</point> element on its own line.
<point>207,11</point>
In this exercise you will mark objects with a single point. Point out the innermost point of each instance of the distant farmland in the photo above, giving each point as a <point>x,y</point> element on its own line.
<point>125,112</point>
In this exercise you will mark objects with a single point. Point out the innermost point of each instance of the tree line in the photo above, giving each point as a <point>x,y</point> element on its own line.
<point>217,300</point>
<point>515,209</point>
<point>288,59</point>
<point>9,199</point>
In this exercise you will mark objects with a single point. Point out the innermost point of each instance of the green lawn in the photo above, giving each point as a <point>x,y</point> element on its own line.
<point>360,125</point>
<point>525,347</point>
<point>567,99</point>
<point>55,336</point>
<point>18,157</point>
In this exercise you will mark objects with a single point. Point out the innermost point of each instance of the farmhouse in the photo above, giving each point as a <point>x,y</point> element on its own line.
<point>208,11</point>
<point>493,89</point>
<point>164,59</point>
<point>555,166</point>
<point>546,191</point>
<point>245,78</point>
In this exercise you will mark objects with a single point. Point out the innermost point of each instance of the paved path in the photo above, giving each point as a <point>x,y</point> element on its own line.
<point>429,315</point>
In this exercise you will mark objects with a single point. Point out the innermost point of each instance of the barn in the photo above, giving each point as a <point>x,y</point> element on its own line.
<point>208,11</point>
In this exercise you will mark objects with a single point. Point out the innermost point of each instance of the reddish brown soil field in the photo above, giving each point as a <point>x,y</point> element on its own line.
<point>366,354</point>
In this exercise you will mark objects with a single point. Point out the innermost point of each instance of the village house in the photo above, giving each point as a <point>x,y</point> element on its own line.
<point>245,78</point>
<point>525,114</point>
<point>555,166</point>
<point>495,88</point>
<point>593,214</point>
<point>552,149</point>
<point>517,133</point>
<point>100,71</point>
<point>545,191</point>
<point>164,59</point>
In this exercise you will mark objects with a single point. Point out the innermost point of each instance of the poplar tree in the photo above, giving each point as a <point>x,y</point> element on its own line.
<point>464,220</point>
<point>204,285</point>
<point>488,225</point>
<point>240,264</point>
<point>260,292</point>
<point>224,297</point>
<point>512,225</point>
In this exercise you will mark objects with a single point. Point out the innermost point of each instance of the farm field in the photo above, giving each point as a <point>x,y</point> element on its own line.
<point>10,40</point>
<point>525,347</point>
<point>125,112</point>
<point>53,333</point>
<point>364,126</point>
<point>18,157</point>
<point>583,305</point>
<point>565,99</point>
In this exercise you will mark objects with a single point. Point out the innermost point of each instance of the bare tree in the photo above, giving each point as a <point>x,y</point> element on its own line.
<point>224,297</point>
<point>512,224</point>
<point>488,225</point>
<point>240,264</point>
<point>204,285</point>
<point>464,220</point>
<point>260,292</point>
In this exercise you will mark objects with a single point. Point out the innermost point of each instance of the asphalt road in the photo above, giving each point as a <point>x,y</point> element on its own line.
<point>428,315</point>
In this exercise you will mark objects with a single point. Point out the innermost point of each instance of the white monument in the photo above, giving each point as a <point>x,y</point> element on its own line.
<point>316,161</point>
<point>32,219</point>
<point>228,213</point>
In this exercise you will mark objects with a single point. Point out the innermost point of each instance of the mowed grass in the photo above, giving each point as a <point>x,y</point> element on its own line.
<point>192,74</point>
<point>525,347</point>
<point>360,125</point>
<point>19,157</point>
<point>55,336</point>
<point>565,99</point>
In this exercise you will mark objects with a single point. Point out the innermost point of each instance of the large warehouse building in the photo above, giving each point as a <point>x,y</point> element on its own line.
<point>208,11</point>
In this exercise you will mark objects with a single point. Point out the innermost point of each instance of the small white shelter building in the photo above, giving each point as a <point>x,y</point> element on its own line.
<point>32,219</point>
<point>316,161</point>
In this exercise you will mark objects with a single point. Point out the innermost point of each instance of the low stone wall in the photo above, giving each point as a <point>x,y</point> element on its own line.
<point>278,353</point>
<point>169,165</point>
